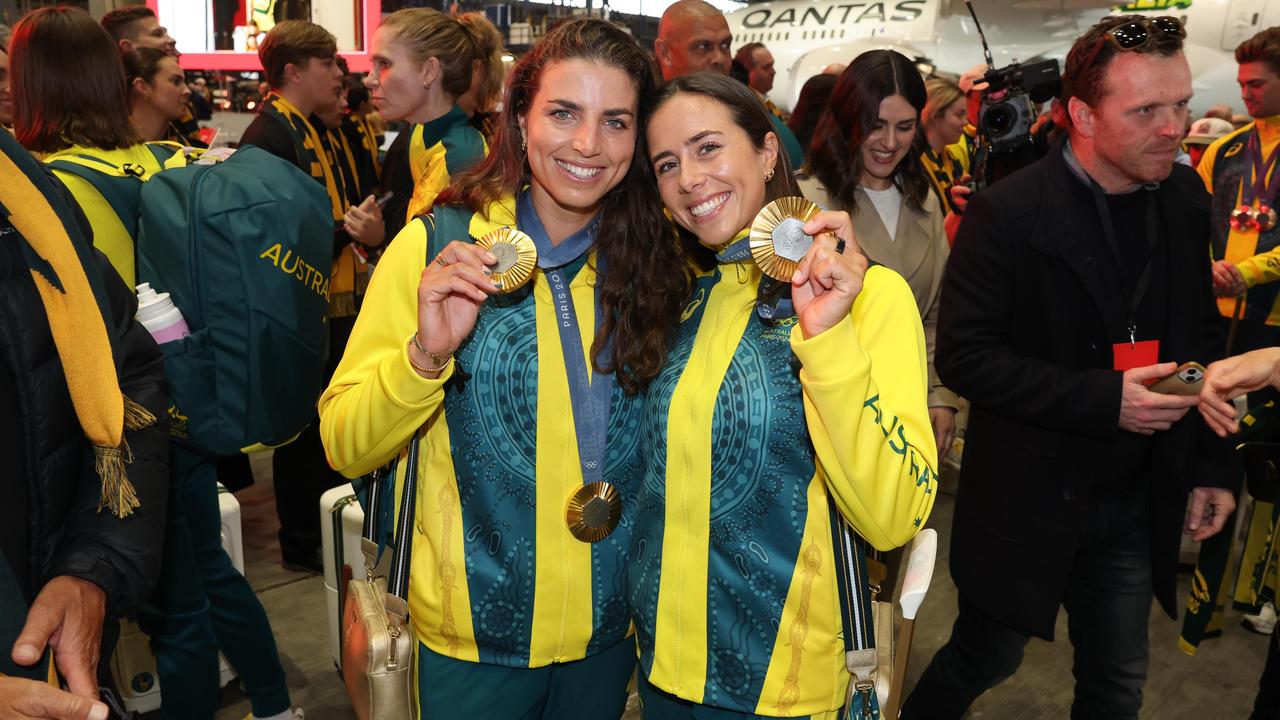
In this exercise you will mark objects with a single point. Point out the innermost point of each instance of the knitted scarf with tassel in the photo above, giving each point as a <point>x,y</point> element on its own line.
<point>74,302</point>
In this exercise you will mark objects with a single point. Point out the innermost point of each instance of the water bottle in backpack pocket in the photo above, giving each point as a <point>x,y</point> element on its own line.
<point>244,248</point>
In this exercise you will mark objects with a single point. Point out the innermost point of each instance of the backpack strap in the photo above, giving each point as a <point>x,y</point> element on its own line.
<point>111,181</point>
<point>172,155</point>
<point>445,221</point>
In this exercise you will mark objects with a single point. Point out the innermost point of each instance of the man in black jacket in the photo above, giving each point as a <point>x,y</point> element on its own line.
<point>65,561</point>
<point>1073,284</point>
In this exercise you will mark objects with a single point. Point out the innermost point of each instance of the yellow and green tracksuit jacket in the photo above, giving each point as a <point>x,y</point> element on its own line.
<point>438,150</point>
<point>1225,164</point>
<point>747,430</point>
<point>496,576</point>
<point>109,234</point>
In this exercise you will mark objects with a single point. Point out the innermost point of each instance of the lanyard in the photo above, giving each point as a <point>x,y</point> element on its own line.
<point>773,299</point>
<point>1144,280</point>
<point>1261,168</point>
<point>736,252</point>
<point>590,396</point>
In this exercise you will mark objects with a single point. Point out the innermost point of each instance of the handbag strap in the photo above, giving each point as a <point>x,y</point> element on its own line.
<point>398,578</point>
<point>855,611</point>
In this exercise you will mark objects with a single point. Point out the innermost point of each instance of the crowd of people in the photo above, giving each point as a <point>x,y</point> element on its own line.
<point>636,426</point>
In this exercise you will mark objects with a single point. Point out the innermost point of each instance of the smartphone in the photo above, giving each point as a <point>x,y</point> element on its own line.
<point>1186,380</point>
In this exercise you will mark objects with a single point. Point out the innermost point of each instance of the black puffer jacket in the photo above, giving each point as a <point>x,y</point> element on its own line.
<point>66,533</point>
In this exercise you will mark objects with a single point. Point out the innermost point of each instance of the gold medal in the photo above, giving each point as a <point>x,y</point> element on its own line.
<point>778,240</point>
<point>517,257</point>
<point>593,511</point>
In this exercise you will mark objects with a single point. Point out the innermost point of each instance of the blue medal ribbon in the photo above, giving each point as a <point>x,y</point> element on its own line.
<point>773,301</point>
<point>590,396</point>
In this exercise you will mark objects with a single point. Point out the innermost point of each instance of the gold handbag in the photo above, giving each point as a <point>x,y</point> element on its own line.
<point>378,645</point>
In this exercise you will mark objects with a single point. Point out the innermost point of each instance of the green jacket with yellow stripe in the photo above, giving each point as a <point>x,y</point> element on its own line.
<point>496,575</point>
<point>439,150</point>
<point>747,431</point>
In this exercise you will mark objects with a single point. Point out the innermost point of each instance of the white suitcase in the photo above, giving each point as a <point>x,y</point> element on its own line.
<point>133,665</point>
<point>341,521</point>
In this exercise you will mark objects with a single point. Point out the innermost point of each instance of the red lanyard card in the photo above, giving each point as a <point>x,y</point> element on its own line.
<point>1128,356</point>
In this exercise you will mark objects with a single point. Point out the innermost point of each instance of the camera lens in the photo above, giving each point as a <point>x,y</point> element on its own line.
<point>999,119</point>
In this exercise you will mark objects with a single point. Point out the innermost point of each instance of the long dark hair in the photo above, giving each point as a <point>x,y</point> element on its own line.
<point>851,115</point>
<point>648,279</point>
<point>749,114</point>
<point>68,83</point>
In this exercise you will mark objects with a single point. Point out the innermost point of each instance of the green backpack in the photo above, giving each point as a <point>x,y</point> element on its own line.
<point>244,247</point>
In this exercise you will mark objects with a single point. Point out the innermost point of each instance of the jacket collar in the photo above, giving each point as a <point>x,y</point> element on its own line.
<point>1064,229</point>
<point>914,235</point>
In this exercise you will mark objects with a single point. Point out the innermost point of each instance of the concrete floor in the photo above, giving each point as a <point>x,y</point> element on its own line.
<point>1219,683</point>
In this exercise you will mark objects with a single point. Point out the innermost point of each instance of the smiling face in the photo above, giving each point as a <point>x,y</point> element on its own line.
<point>580,131</point>
<point>888,141</point>
<point>396,81</point>
<point>710,174</point>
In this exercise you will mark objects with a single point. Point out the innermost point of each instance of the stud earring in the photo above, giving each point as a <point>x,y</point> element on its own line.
<point>524,145</point>
<point>768,176</point>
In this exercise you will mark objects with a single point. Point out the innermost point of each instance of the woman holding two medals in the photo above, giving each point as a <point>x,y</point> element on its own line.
<point>797,376</point>
<point>485,326</point>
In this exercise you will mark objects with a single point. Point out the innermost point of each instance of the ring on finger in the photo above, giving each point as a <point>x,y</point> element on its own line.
<point>440,261</point>
<point>840,243</point>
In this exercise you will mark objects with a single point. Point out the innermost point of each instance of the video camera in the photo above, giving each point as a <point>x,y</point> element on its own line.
<point>1008,110</point>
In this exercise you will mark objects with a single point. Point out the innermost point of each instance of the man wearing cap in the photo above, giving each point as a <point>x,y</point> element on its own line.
<point>1239,170</point>
<point>1203,133</point>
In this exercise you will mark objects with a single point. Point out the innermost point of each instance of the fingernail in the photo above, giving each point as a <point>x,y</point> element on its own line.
<point>98,712</point>
<point>26,654</point>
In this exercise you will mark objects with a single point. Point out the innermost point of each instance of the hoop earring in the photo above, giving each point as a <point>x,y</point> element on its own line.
<point>426,85</point>
<point>524,145</point>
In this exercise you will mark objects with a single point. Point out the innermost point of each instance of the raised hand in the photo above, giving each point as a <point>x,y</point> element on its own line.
<point>825,285</point>
<point>453,287</point>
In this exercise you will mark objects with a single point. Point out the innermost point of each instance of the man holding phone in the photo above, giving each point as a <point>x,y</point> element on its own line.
<point>1074,286</point>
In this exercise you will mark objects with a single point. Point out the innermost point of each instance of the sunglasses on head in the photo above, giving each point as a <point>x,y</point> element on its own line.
<point>1135,34</point>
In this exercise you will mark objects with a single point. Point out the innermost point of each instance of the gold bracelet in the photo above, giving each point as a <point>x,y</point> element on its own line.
<point>440,366</point>
<point>435,358</point>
